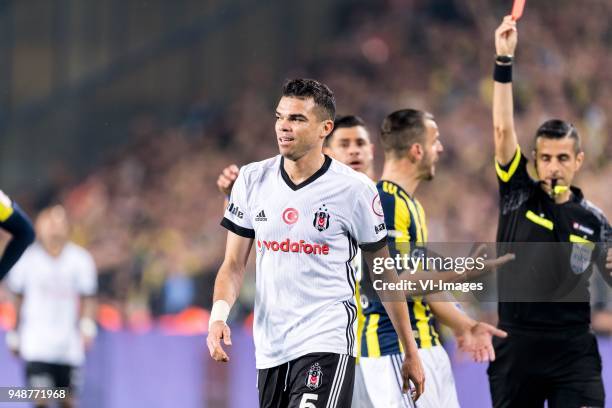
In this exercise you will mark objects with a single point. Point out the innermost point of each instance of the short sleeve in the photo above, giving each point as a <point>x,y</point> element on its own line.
<point>236,217</point>
<point>513,176</point>
<point>87,276</point>
<point>17,276</point>
<point>368,219</point>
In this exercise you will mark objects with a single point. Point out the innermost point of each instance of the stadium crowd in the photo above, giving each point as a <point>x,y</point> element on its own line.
<point>150,216</point>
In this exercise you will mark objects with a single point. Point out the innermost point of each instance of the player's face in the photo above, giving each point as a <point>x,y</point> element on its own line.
<point>557,159</point>
<point>52,227</point>
<point>299,128</point>
<point>432,149</point>
<point>352,147</point>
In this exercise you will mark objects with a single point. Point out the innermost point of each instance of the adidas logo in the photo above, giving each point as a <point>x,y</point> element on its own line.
<point>261,216</point>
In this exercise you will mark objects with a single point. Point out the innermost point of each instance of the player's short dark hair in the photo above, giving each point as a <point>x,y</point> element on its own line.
<point>401,129</point>
<point>310,88</point>
<point>343,121</point>
<point>559,129</point>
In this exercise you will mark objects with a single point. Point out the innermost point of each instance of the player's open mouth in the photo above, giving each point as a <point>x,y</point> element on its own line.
<point>285,140</point>
<point>356,163</point>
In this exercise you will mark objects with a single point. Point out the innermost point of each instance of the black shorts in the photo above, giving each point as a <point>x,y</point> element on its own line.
<point>562,368</point>
<point>40,374</point>
<point>309,381</point>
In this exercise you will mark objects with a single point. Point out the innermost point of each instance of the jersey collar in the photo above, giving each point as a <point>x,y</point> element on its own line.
<point>309,180</point>
<point>399,188</point>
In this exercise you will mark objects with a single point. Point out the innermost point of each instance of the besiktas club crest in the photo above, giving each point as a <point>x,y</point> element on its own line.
<point>315,374</point>
<point>321,219</point>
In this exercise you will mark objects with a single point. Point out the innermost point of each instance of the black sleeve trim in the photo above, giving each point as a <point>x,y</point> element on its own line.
<point>22,231</point>
<point>237,229</point>
<point>373,246</point>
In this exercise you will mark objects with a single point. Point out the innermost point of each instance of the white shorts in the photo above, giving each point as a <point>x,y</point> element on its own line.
<point>378,382</point>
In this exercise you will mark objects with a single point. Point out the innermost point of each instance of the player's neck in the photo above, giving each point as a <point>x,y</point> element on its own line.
<point>304,167</point>
<point>402,174</point>
<point>52,248</point>
<point>370,173</point>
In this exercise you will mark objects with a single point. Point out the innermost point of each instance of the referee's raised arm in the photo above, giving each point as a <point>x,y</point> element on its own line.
<point>503,109</point>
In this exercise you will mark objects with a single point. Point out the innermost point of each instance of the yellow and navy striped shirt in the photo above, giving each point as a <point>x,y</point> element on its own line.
<point>405,221</point>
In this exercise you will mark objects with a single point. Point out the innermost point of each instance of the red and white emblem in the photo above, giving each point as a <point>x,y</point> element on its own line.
<point>290,216</point>
<point>321,219</point>
<point>315,374</point>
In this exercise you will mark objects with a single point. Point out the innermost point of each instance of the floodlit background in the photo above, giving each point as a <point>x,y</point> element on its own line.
<point>126,111</point>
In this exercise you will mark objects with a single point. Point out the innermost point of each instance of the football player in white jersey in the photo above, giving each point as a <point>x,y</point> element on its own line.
<point>351,144</point>
<point>15,222</point>
<point>54,283</point>
<point>307,213</point>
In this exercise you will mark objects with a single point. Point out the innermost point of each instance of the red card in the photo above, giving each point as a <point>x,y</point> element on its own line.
<point>517,9</point>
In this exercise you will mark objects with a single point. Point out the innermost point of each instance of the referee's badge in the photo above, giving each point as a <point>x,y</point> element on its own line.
<point>580,258</point>
<point>313,381</point>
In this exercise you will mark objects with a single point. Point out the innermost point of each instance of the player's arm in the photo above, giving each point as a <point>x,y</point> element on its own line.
<point>472,336</point>
<point>503,108</point>
<point>227,288</point>
<point>14,221</point>
<point>604,261</point>
<point>87,284</point>
<point>397,309</point>
<point>12,337</point>
<point>87,320</point>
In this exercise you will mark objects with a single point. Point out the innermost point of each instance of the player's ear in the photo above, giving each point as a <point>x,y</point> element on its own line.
<point>413,153</point>
<point>328,126</point>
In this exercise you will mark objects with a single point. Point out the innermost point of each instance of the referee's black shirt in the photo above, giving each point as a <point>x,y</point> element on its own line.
<point>555,246</point>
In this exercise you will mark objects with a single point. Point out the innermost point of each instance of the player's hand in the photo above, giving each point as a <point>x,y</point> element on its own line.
<point>226,179</point>
<point>506,37</point>
<point>412,371</point>
<point>218,330</point>
<point>478,341</point>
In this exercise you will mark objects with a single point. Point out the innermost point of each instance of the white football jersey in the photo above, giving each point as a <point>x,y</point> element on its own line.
<point>51,288</point>
<point>306,236</point>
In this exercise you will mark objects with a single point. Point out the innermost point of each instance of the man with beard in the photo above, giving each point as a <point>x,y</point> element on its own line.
<point>411,143</point>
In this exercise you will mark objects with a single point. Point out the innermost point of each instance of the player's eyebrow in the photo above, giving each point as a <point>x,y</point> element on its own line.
<point>297,116</point>
<point>293,116</point>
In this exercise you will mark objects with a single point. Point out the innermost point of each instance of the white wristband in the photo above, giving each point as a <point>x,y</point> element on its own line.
<point>88,327</point>
<point>220,311</point>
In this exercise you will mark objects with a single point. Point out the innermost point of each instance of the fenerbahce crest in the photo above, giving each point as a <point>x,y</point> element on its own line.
<point>321,219</point>
<point>580,258</point>
<point>313,381</point>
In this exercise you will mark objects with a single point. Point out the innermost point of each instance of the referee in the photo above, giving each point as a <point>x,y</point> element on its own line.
<point>550,353</point>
